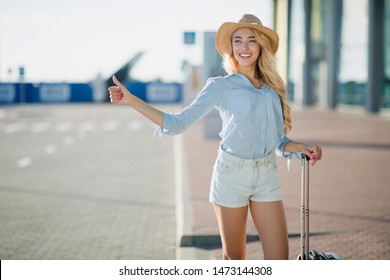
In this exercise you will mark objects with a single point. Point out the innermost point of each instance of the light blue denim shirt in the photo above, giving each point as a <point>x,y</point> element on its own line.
<point>252,119</point>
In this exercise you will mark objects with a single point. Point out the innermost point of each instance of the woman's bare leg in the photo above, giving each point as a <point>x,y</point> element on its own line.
<point>270,221</point>
<point>232,227</point>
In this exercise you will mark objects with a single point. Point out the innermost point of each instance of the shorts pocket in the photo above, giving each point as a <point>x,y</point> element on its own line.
<point>225,167</point>
<point>273,162</point>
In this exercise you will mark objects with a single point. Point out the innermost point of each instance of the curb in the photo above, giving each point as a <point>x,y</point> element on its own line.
<point>186,248</point>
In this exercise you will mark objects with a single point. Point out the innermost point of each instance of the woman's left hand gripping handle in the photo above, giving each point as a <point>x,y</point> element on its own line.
<point>118,93</point>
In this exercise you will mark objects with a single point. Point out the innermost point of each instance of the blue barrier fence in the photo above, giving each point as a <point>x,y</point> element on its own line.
<point>13,93</point>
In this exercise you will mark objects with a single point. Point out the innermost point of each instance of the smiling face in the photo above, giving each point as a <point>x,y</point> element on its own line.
<point>246,50</point>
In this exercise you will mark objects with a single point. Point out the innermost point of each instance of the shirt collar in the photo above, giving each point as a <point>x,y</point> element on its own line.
<point>245,80</point>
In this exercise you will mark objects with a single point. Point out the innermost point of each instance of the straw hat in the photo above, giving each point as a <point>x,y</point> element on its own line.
<point>225,31</point>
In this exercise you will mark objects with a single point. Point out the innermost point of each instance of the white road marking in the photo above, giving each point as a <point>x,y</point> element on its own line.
<point>65,126</point>
<point>68,140</point>
<point>24,162</point>
<point>14,127</point>
<point>50,149</point>
<point>135,125</point>
<point>110,125</point>
<point>40,127</point>
<point>87,126</point>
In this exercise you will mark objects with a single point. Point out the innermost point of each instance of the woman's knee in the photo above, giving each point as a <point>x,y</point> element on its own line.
<point>234,255</point>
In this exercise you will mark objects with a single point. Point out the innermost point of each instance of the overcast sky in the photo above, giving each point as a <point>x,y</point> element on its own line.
<point>74,40</point>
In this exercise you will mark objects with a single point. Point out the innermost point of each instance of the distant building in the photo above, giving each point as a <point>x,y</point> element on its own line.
<point>335,52</point>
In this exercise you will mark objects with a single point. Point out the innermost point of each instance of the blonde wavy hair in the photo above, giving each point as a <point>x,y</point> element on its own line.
<point>266,71</point>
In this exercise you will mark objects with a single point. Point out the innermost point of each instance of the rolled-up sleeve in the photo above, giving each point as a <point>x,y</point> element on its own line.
<point>280,149</point>
<point>207,99</point>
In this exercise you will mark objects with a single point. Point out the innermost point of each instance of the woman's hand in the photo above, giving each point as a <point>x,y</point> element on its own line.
<point>119,94</point>
<point>314,152</point>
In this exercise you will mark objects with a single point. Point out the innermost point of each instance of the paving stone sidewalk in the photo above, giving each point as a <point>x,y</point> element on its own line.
<point>349,195</point>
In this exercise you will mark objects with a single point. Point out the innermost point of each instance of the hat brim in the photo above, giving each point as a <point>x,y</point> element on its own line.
<point>225,31</point>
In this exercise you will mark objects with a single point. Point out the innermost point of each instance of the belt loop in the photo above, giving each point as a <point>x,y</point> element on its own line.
<point>241,163</point>
<point>267,160</point>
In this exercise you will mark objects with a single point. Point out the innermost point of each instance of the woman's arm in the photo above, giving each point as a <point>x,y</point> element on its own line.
<point>120,95</point>
<point>314,152</point>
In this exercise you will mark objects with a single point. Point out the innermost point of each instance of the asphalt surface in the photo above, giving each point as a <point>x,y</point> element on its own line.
<point>84,181</point>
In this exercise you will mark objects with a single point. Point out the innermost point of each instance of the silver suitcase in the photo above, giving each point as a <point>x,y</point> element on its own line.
<point>307,254</point>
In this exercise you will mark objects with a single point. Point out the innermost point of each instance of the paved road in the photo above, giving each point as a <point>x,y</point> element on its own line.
<point>84,182</point>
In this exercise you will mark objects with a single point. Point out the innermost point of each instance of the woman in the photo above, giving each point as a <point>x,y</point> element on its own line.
<point>253,105</point>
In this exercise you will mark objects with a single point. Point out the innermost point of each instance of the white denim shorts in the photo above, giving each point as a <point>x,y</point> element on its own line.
<point>237,181</point>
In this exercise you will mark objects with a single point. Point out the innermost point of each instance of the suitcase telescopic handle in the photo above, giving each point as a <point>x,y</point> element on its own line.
<point>305,157</point>
<point>305,208</point>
